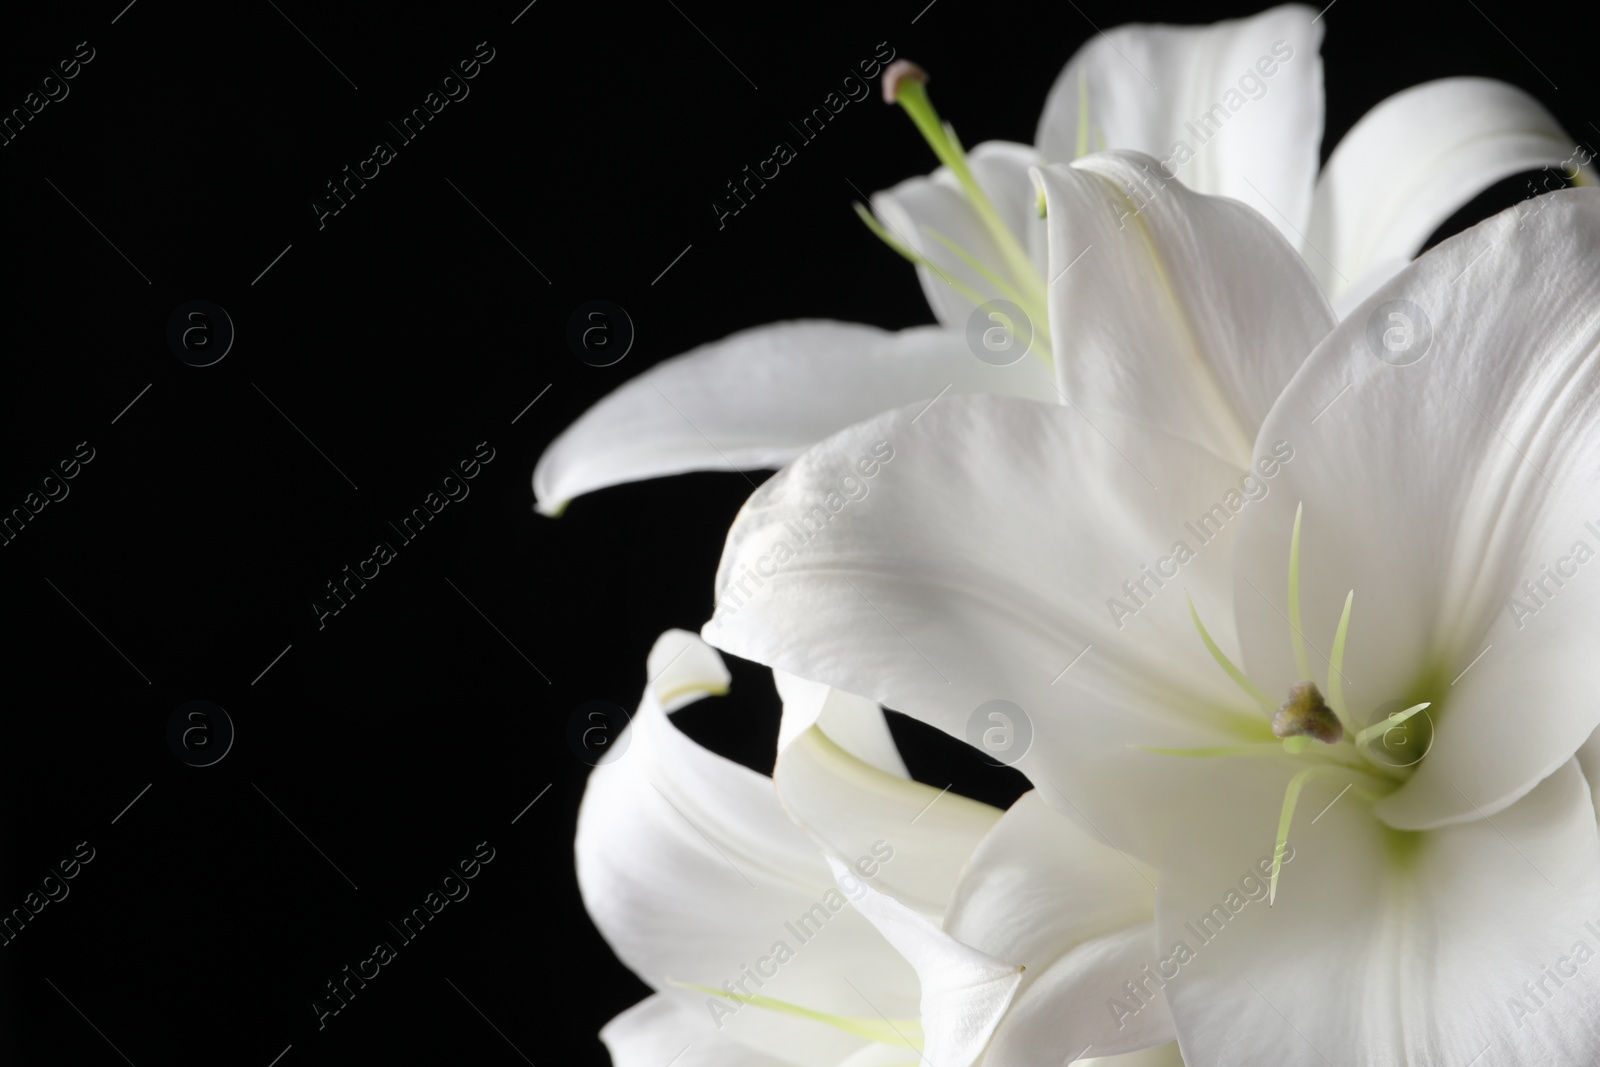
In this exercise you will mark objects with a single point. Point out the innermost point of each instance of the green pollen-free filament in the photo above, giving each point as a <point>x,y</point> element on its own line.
<point>1297,633</point>
<point>906,1033</point>
<point>1238,676</point>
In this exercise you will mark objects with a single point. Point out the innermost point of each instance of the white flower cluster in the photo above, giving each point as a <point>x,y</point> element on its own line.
<point>1350,661</point>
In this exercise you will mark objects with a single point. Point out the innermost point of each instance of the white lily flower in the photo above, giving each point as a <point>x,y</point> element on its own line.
<point>1233,109</point>
<point>1365,638</point>
<point>695,875</point>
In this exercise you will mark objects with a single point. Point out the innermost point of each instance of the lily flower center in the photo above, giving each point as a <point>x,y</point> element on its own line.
<point>1381,756</point>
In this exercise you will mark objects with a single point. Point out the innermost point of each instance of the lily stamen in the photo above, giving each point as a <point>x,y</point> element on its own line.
<point>903,84</point>
<point>908,85</point>
<point>1305,717</point>
<point>1305,714</point>
<point>1378,729</point>
<point>915,257</point>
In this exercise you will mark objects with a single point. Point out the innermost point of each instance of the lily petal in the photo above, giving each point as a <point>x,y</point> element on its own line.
<point>1589,762</point>
<point>691,870</point>
<point>1155,1056</point>
<point>1388,948</point>
<point>1042,891</point>
<point>854,723</point>
<point>682,669</point>
<point>921,836</point>
<point>1188,312</point>
<point>930,214</point>
<point>879,1055</point>
<point>1412,162</point>
<point>1244,132</point>
<point>1038,886</point>
<point>659,1030</point>
<point>1065,1008</point>
<point>759,398</point>
<point>964,991</point>
<point>968,573</point>
<point>1435,490</point>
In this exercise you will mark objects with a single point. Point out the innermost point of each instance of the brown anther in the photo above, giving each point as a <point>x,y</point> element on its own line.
<point>898,71</point>
<point>1305,714</point>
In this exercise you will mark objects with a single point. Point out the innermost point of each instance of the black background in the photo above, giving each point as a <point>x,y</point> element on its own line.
<point>397,337</point>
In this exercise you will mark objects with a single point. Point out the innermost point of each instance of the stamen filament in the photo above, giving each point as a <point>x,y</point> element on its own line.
<point>1238,676</point>
<point>1291,797</point>
<point>913,96</point>
<point>1378,729</point>
<point>905,1033</point>
<point>1297,632</point>
<point>1336,668</point>
<point>914,256</point>
<point>1041,326</point>
<point>1327,756</point>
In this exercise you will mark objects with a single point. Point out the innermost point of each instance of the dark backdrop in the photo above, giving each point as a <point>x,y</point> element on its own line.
<point>375,353</point>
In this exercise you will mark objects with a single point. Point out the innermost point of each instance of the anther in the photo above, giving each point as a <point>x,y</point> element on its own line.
<point>1305,714</point>
<point>901,70</point>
